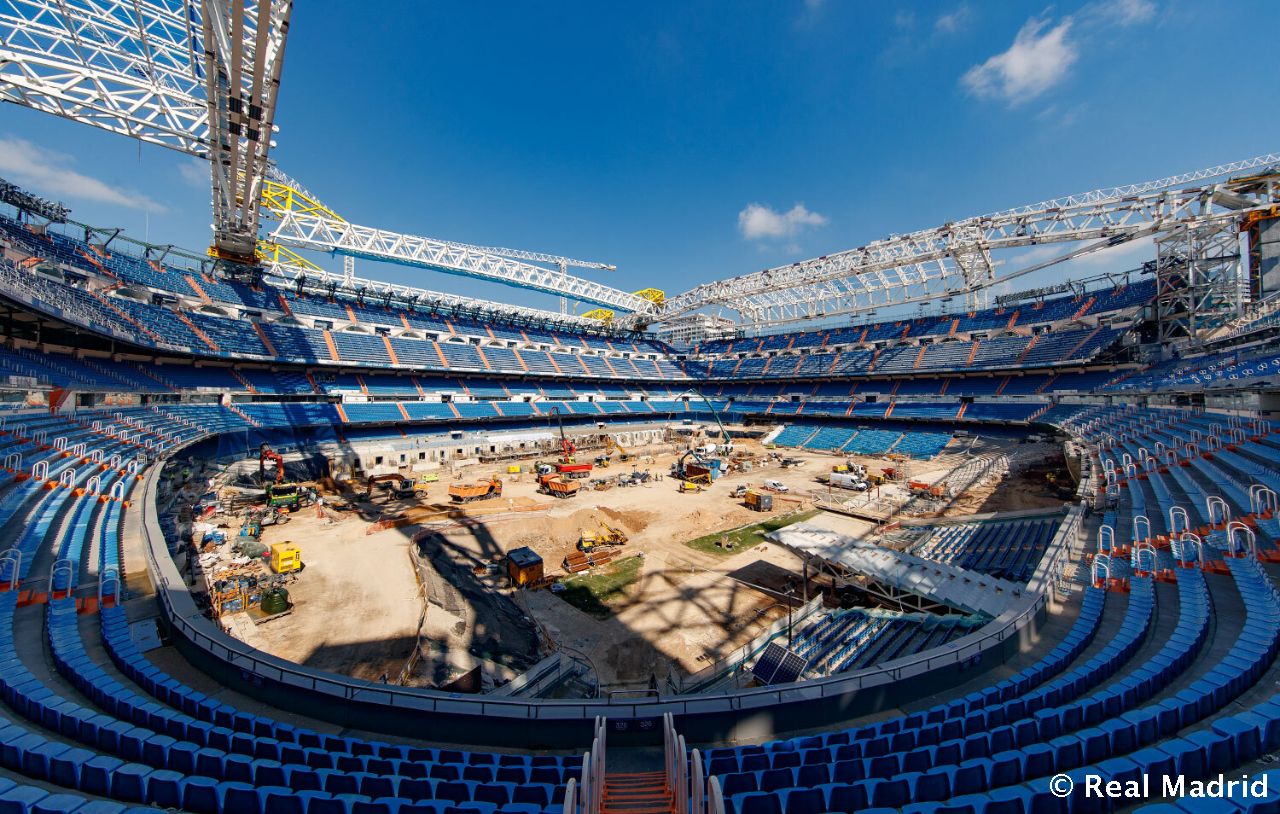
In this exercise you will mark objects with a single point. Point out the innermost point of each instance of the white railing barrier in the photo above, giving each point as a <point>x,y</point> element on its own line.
<point>1103,562</point>
<point>1106,538</point>
<point>13,556</point>
<point>715,797</point>
<point>1179,520</point>
<point>1261,499</point>
<point>1234,530</point>
<point>110,577</point>
<point>1141,528</point>
<point>1192,540</point>
<point>1217,509</point>
<point>570,793</point>
<point>65,568</point>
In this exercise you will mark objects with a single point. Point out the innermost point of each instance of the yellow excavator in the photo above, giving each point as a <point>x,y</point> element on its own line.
<point>611,445</point>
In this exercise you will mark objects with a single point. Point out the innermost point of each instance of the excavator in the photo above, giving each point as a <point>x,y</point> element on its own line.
<point>567,466</point>
<point>401,488</point>
<point>611,445</point>
<point>266,453</point>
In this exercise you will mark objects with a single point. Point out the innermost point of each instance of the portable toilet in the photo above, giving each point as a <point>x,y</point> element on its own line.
<point>524,566</point>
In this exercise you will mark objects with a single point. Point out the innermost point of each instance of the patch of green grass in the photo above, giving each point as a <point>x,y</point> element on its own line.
<point>591,593</point>
<point>747,536</point>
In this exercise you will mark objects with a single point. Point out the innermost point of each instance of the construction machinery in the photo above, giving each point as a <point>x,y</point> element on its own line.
<point>759,501</point>
<point>726,443</point>
<point>398,486</point>
<point>482,490</point>
<point>557,485</point>
<point>567,465</point>
<point>266,453</point>
<point>611,445</point>
<point>285,497</point>
<point>850,468</point>
<point>606,536</point>
<point>688,486</point>
<point>692,466</point>
<point>255,519</point>
<point>285,558</point>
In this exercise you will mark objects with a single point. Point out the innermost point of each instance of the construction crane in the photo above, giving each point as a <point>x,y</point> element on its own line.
<point>567,466</point>
<point>725,441</point>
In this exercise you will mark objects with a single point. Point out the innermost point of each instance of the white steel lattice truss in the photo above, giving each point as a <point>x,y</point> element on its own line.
<point>318,232</point>
<point>134,68</point>
<point>141,69</point>
<point>955,258</point>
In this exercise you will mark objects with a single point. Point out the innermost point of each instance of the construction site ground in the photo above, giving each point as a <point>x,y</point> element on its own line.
<point>359,602</point>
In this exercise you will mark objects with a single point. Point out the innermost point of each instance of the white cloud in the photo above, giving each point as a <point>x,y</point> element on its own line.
<point>50,173</point>
<point>954,21</point>
<point>760,222</point>
<point>1123,12</point>
<point>1038,59</point>
<point>194,172</point>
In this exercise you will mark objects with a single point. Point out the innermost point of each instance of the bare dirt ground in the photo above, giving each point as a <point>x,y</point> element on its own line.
<point>358,602</point>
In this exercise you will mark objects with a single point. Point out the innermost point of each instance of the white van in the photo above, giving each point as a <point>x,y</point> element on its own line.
<point>776,486</point>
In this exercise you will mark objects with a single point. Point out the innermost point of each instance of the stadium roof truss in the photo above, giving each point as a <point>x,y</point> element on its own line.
<point>202,77</point>
<point>955,259</point>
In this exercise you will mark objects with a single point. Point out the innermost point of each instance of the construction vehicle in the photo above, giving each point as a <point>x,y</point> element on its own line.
<point>920,487</point>
<point>611,445</point>
<point>687,486</point>
<point>285,558</point>
<point>848,480</point>
<point>400,487</point>
<point>606,536</point>
<point>556,485</point>
<point>483,490</point>
<point>255,519</point>
<point>567,465</point>
<point>850,468</point>
<point>739,491</point>
<point>759,501</point>
<point>264,454</point>
<point>285,497</point>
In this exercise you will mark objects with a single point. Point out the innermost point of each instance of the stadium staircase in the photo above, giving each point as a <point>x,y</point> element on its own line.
<point>637,793</point>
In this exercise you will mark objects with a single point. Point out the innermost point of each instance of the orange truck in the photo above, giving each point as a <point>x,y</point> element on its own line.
<point>556,485</point>
<point>467,492</point>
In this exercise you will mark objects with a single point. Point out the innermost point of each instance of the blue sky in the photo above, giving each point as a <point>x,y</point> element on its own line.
<point>696,140</point>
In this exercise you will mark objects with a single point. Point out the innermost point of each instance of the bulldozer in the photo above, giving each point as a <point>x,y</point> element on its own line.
<point>607,535</point>
<point>688,486</point>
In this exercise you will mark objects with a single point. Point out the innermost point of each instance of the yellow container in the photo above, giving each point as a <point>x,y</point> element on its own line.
<point>514,469</point>
<point>285,557</point>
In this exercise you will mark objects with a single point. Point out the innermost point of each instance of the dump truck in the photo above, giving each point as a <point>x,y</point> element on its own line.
<point>483,490</point>
<point>759,501</point>
<point>557,485</point>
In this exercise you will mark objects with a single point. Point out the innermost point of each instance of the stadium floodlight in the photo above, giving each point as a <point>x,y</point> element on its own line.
<point>33,204</point>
